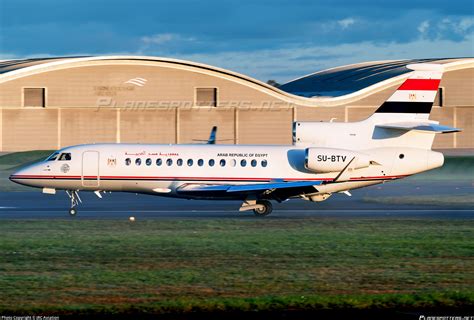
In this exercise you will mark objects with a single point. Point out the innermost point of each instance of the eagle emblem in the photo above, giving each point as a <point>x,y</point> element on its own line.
<point>65,168</point>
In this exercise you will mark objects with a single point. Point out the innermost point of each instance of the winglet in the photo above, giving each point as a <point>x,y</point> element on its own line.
<point>212,136</point>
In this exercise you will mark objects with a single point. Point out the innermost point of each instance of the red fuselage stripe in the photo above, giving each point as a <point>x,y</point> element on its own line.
<point>193,178</point>
<point>420,84</point>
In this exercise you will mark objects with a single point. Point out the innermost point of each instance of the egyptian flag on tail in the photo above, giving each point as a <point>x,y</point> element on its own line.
<point>417,93</point>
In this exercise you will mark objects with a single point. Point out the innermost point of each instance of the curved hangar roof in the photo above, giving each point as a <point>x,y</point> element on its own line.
<point>19,66</point>
<point>349,79</point>
<point>332,87</point>
<point>29,66</point>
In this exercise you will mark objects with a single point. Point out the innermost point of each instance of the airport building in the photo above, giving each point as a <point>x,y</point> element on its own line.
<point>56,102</point>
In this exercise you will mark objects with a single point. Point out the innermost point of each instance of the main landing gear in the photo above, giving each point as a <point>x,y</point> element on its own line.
<point>260,208</point>
<point>75,200</point>
<point>264,208</point>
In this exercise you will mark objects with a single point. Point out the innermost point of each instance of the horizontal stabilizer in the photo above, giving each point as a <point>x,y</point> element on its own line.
<point>418,126</point>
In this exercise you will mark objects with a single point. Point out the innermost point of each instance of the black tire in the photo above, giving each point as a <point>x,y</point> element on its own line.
<point>72,212</point>
<point>266,210</point>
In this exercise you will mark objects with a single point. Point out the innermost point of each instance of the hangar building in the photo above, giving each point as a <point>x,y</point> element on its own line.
<point>56,102</point>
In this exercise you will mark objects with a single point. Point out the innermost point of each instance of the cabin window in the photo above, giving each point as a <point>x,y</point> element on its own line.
<point>52,157</point>
<point>138,161</point>
<point>190,162</point>
<point>206,97</point>
<point>254,163</point>
<point>264,163</point>
<point>148,162</point>
<point>34,97</point>
<point>211,162</point>
<point>222,162</point>
<point>159,162</point>
<point>243,162</point>
<point>233,162</point>
<point>128,161</point>
<point>179,162</point>
<point>200,162</point>
<point>169,162</point>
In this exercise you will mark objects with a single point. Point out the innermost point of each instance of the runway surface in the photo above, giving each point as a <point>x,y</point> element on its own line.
<point>35,205</point>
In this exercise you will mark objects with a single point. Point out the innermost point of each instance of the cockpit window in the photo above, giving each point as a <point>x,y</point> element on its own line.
<point>64,156</point>
<point>52,157</point>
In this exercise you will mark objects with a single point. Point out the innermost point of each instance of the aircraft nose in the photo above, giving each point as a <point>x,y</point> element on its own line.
<point>21,176</point>
<point>16,176</point>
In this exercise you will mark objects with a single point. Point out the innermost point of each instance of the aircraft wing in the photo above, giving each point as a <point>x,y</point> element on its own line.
<point>196,189</point>
<point>418,126</point>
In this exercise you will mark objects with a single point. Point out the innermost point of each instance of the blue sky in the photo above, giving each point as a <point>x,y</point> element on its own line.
<point>275,39</point>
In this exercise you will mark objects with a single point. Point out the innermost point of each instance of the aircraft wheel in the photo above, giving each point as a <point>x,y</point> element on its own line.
<point>72,212</point>
<point>266,210</point>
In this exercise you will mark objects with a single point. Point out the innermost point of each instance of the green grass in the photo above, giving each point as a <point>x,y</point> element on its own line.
<point>454,168</point>
<point>16,159</point>
<point>11,162</point>
<point>83,266</point>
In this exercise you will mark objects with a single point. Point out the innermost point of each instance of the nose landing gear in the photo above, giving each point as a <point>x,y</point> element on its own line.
<point>75,200</point>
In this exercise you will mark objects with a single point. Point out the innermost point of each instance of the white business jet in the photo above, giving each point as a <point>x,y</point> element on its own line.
<point>326,158</point>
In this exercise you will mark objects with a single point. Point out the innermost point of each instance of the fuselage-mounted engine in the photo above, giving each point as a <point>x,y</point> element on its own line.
<point>324,160</point>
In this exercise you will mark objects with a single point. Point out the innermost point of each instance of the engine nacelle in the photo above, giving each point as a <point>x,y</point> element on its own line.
<point>318,197</point>
<point>320,133</point>
<point>323,160</point>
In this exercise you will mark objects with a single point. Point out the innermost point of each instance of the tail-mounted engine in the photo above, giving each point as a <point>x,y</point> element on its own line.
<point>323,160</point>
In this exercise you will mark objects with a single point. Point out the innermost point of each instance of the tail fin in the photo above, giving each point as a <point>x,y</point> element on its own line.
<point>417,94</point>
<point>408,110</point>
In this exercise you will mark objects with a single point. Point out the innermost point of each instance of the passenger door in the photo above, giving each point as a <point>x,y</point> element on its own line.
<point>90,169</point>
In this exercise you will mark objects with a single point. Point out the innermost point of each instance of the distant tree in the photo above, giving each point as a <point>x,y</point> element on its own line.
<point>273,83</point>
